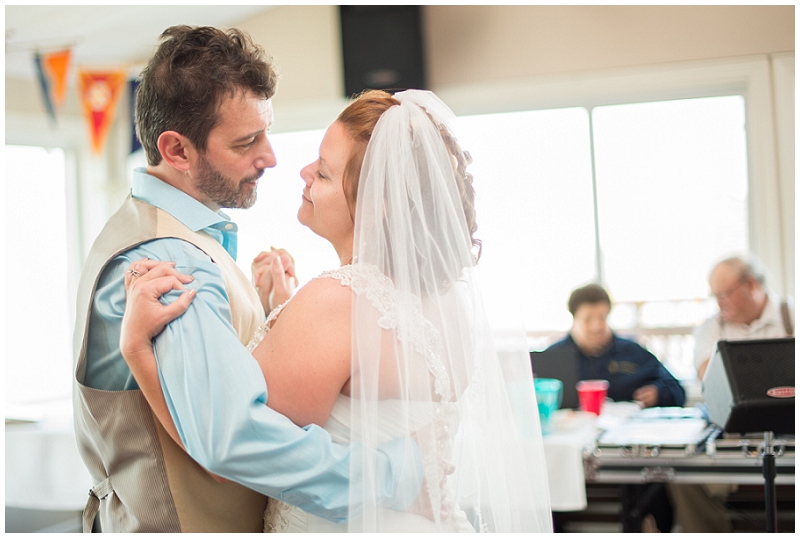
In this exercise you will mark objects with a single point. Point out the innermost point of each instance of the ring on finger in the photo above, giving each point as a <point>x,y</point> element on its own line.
<point>134,273</point>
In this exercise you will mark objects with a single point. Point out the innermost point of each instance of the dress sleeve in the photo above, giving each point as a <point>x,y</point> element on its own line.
<point>217,397</point>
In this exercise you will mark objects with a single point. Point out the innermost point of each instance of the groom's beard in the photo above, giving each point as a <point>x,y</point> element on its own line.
<point>221,190</point>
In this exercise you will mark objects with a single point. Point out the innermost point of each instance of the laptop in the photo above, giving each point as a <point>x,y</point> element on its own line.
<point>561,364</point>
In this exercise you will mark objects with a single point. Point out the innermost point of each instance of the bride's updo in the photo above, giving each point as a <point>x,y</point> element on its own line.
<point>360,118</point>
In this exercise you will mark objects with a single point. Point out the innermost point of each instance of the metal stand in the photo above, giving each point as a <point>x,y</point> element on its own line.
<point>770,499</point>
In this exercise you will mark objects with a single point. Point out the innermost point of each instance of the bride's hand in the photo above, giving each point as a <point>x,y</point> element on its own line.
<point>145,316</point>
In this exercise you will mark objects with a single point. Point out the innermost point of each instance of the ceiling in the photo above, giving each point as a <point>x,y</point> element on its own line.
<point>103,36</point>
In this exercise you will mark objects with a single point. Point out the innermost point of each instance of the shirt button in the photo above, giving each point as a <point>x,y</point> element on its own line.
<point>229,226</point>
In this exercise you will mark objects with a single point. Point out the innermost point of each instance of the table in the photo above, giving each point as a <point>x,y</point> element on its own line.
<point>574,432</point>
<point>728,461</point>
<point>43,468</point>
<point>575,456</point>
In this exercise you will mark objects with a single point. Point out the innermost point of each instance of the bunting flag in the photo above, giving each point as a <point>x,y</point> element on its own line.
<point>44,84</point>
<point>100,93</point>
<point>56,65</point>
<point>51,70</point>
<point>135,144</point>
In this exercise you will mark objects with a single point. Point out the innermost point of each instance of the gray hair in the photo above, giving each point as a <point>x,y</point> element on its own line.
<point>748,266</point>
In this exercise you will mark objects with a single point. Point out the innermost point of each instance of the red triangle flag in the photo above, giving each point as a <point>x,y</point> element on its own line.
<point>100,93</point>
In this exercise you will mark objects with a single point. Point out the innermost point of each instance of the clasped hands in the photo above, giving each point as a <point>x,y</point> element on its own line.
<point>274,277</point>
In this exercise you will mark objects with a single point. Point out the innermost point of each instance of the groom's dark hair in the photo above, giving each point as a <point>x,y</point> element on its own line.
<point>191,72</point>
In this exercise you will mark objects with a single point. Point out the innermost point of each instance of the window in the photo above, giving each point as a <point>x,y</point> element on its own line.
<point>671,197</point>
<point>38,350</point>
<point>672,194</point>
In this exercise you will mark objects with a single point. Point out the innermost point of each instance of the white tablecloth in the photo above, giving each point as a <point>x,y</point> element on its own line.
<point>43,468</point>
<point>563,451</point>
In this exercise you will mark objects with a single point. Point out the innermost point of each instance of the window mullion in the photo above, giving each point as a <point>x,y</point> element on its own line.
<point>597,250</point>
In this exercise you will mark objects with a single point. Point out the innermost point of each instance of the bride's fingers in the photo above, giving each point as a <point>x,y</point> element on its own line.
<point>138,268</point>
<point>140,272</point>
<point>154,288</point>
<point>179,305</point>
<point>166,269</point>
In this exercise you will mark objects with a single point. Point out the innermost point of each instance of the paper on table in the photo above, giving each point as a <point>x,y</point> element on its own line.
<point>659,432</point>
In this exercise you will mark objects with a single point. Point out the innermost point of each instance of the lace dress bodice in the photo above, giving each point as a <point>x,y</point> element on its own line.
<point>342,423</point>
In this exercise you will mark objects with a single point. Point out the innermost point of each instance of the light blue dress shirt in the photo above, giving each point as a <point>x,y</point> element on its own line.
<point>215,390</point>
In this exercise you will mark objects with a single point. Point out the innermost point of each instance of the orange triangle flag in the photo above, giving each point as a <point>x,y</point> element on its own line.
<point>57,64</point>
<point>100,93</point>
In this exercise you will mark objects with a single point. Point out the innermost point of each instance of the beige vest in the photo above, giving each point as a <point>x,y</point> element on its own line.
<point>146,482</point>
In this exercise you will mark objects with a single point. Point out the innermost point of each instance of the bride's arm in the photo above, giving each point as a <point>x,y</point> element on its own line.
<point>145,317</point>
<point>305,357</point>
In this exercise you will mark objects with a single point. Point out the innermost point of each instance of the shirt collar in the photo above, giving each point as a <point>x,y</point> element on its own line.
<point>191,213</point>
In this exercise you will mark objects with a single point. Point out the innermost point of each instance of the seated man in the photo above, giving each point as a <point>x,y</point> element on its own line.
<point>632,372</point>
<point>748,310</point>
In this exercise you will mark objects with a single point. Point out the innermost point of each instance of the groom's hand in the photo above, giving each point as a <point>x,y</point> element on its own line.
<point>423,505</point>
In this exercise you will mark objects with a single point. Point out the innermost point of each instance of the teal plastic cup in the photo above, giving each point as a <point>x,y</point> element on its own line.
<point>548,398</point>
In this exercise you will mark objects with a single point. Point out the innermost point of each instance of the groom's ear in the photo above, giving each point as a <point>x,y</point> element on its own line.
<point>175,149</point>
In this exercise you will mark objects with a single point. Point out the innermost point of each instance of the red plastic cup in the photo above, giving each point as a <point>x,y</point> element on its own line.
<point>592,394</point>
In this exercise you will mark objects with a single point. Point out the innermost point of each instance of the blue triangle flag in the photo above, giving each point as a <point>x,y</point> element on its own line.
<point>45,85</point>
<point>133,85</point>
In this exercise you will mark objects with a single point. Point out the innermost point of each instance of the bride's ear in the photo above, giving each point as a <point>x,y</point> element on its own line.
<point>175,149</point>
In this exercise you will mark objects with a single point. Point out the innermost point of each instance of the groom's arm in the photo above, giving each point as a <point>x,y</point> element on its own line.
<point>216,395</point>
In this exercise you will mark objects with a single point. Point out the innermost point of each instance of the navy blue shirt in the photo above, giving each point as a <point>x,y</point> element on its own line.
<point>626,366</point>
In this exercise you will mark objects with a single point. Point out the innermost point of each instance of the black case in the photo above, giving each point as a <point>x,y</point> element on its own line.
<point>749,386</point>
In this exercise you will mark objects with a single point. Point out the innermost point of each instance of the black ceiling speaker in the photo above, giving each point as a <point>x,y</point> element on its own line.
<point>382,48</point>
<point>749,386</point>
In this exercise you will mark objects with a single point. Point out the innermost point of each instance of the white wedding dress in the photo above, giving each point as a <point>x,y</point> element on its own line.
<point>342,423</point>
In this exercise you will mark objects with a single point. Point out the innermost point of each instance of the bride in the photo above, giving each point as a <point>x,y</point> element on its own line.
<point>395,343</point>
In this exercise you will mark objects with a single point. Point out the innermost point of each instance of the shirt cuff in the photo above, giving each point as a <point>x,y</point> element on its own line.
<point>405,466</point>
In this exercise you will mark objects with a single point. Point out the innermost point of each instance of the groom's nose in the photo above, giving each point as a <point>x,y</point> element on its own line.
<point>266,157</point>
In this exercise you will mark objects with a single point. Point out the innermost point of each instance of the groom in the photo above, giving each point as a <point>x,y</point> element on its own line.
<point>203,109</point>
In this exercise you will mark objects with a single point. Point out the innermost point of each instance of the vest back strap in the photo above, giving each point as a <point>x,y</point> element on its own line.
<point>96,494</point>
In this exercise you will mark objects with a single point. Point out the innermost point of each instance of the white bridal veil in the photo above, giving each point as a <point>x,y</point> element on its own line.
<point>424,363</point>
